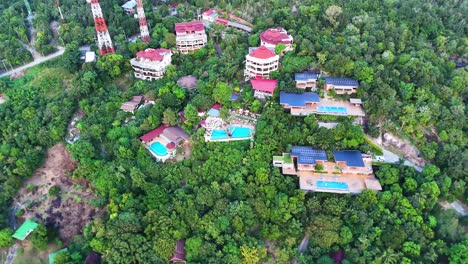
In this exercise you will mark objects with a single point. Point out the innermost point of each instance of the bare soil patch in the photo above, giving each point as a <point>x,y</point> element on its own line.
<point>404,148</point>
<point>70,210</point>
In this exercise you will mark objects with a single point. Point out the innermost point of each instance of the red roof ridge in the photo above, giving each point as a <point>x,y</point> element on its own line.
<point>263,85</point>
<point>189,26</point>
<point>153,54</point>
<point>262,53</point>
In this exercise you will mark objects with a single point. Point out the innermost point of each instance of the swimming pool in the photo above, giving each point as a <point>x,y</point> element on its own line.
<point>218,134</point>
<point>239,132</point>
<point>332,109</point>
<point>332,185</point>
<point>158,149</point>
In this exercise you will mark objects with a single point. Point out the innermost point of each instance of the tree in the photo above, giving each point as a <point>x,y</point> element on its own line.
<point>6,238</point>
<point>332,13</point>
<point>54,190</point>
<point>388,174</point>
<point>191,113</point>
<point>457,252</point>
<point>39,237</point>
<point>249,255</point>
<point>71,58</point>
<point>111,64</point>
<point>169,117</point>
<point>412,248</point>
<point>279,48</point>
<point>222,92</point>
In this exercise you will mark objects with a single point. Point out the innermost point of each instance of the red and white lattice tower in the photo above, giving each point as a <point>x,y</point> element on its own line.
<point>145,37</point>
<point>103,37</point>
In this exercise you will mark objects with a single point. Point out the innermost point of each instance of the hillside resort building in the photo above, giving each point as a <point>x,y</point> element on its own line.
<point>306,80</point>
<point>350,172</point>
<point>151,64</point>
<point>260,62</point>
<point>263,88</point>
<point>307,103</point>
<point>162,142</point>
<point>341,85</point>
<point>274,36</point>
<point>190,36</point>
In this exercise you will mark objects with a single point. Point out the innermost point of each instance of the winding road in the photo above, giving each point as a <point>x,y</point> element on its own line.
<point>38,61</point>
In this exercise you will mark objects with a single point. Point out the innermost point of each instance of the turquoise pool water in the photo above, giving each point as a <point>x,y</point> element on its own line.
<point>158,149</point>
<point>332,185</point>
<point>218,134</point>
<point>332,109</point>
<point>239,132</point>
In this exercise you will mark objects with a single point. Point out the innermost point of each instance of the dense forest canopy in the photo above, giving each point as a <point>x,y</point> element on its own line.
<point>227,200</point>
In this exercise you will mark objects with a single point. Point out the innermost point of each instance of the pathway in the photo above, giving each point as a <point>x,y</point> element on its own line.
<point>35,62</point>
<point>302,247</point>
<point>391,157</point>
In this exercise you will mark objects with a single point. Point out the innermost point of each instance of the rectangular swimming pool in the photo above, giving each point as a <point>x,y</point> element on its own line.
<point>218,134</point>
<point>239,132</point>
<point>332,185</point>
<point>332,109</point>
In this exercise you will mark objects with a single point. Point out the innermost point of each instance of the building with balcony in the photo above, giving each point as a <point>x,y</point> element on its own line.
<point>151,64</point>
<point>306,80</point>
<point>303,104</point>
<point>190,36</point>
<point>350,172</point>
<point>263,88</point>
<point>260,62</point>
<point>341,85</point>
<point>274,36</point>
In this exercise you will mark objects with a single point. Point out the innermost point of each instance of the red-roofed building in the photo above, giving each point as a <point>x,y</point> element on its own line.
<point>151,64</point>
<point>148,137</point>
<point>222,21</point>
<point>209,16</point>
<point>263,88</point>
<point>274,36</point>
<point>190,36</point>
<point>216,106</point>
<point>260,62</point>
<point>162,141</point>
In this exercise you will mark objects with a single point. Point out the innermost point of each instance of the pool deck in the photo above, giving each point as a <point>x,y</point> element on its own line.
<point>164,143</point>
<point>356,183</point>
<point>351,109</point>
<point>252,131</point>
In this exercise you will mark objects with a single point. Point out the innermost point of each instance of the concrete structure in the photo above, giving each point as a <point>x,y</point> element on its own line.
<point>306,80</point>
<point>162,141</point>
<point>302,104</point>
<point>274,36</point>
<point>260,62</point>
<point>351,172</point>
<point>129,7</point>
<point>151,64</point>
<point>211,16</point>
<point>90,56</point>
<point>190,36</point>
<point>263,88</point>
<point>341,85</point>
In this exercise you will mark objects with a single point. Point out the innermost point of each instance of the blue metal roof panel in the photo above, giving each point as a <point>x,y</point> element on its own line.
<point>341,81</point>
<point>298,99</point>
<point>353,158</point>
<point>308,155</point>
<point>304,76</point>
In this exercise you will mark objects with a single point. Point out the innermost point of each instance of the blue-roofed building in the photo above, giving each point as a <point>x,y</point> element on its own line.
<point>351,172</point>
<point>129,7</point>
<point>300,103</point>
<point>306,80</point>
<point>350,158</point>
<point>341,85</point>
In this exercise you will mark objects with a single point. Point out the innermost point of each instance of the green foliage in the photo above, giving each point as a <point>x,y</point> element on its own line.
<point>6,238</point>
<point>39,238</point>
<point>54,190</point>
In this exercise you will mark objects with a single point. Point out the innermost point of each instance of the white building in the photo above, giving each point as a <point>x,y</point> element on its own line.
<point>274,36</point>
<point>260,62</point>
<point>209,16</point>
<point>190,36</point>
<point>151,64</point>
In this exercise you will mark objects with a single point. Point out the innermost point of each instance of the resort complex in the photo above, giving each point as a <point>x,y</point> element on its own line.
<point>218,130</point>
<point>306,80</point>
<point>307,103</point>
<point>341,85</point>
<point>151,64</point>
<point>260,62</point>
<point>263,88</point>
<point>190,36</point>
<point>163,141</point>
<point>274,36</point>
<point>350,172</point>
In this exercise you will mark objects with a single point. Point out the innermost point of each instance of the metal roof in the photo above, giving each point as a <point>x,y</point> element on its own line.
<point>25,229</point>
<point>341,81</point>
<point>308,155</point>
<point>129,5</point>
<point>353,158</point>
<point>304,76</point>
<point>298,99</point>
